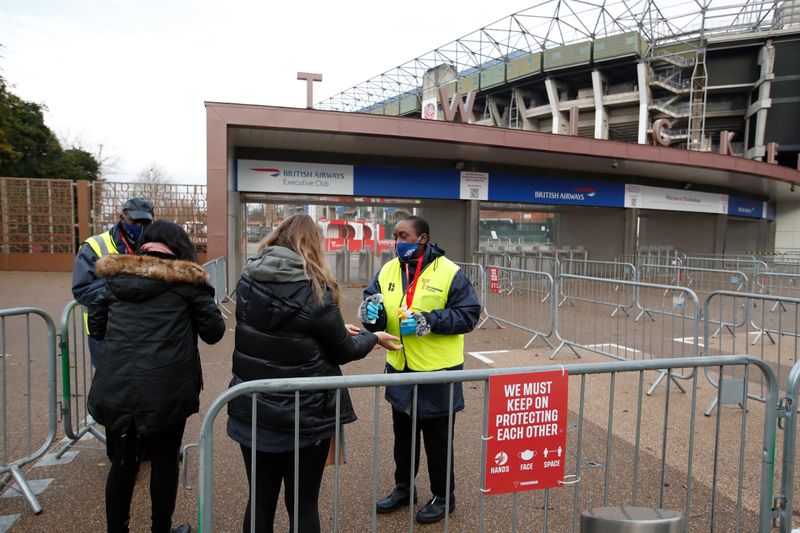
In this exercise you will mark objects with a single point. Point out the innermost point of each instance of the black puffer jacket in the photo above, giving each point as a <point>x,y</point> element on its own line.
<point>283,331</point>
<point>150,315</point>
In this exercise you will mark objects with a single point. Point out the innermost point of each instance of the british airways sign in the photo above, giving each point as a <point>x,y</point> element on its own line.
<point>512,188</point>
<point>291,177</point>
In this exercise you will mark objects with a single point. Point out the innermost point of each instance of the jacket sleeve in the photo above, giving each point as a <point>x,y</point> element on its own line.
<point>206,316</point>
<point>98,314</point>
<point>375,288</point>
<point>86,285</point>
<point>338,345</point>
<point>462,311</point>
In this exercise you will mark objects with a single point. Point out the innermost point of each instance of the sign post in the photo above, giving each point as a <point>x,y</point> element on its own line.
<point>527,436</point>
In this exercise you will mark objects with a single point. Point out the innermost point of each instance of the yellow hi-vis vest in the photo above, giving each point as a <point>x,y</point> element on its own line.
<point>101,245</point>
<point>432,351</point>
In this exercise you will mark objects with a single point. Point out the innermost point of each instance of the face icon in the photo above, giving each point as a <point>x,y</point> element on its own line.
<point>527,455</point>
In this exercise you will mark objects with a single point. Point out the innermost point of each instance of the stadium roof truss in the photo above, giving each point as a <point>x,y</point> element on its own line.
<point>554,23</point>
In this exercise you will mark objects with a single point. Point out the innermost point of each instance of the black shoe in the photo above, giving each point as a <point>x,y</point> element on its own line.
<point>183,528</point>
<point>433,511</point>
<point>397,499</point>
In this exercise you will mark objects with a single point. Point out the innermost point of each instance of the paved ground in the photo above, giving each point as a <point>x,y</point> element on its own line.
<point>624,465</point>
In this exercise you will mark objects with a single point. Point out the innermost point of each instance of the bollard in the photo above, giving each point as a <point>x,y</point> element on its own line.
<point>630,520</point>
<point>343,266</point>
<point>386,256</point>
<point>366,265</point>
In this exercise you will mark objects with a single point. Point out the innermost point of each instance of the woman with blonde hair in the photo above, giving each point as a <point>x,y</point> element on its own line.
<point>288,324</point>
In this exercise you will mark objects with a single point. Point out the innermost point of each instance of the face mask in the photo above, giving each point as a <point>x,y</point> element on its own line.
<point>406,251</point>
<point>133,231</point>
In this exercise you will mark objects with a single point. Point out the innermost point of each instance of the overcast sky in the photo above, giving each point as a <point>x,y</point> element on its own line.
<point>133,76</point>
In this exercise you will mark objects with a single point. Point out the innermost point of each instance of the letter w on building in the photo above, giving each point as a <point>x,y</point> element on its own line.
<point>457,107</point>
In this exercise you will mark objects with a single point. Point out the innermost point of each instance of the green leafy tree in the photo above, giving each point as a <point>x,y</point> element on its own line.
<point>29,149</point>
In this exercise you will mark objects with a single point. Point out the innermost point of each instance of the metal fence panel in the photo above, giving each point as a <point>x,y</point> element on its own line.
<point>521,299</point>
<point>594,315</point>
<point>76,378</point>
<point>27,380</point>
<point>768,332</point>
<point>184,204</point>
<point>670,458</point>
<point>37,216</point>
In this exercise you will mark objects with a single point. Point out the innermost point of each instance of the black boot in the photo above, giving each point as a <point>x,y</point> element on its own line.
<point>183,528</point>
<point>433,511</point>
<point>398,498</point>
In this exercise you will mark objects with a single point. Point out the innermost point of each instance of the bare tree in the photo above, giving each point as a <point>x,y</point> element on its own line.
<point>155,179</point>
<point>107,160</point>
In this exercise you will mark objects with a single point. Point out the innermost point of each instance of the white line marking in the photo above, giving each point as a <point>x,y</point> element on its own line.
<point>36,485</point>
<point>479,356</point>
<point>688,340</point>
<point>6,521</point>
<point>618,346</point>
<point>50,459</point>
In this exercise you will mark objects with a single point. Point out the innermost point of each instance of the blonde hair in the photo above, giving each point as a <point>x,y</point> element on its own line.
<point>303,236</point>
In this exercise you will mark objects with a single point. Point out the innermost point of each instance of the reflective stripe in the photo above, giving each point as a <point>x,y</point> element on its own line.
<point>433,351</point>
<point>101,245</point>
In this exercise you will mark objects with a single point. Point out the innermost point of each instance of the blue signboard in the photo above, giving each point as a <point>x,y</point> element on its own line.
<point>537,190</point>
<point>406,182</point>
<point>740,207</point>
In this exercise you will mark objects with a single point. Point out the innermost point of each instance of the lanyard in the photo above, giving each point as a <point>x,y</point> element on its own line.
<point>412,287</point>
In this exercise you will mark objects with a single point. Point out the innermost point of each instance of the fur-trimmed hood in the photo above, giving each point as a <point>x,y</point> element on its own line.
<point>142,277</point>
<point>174,271</point>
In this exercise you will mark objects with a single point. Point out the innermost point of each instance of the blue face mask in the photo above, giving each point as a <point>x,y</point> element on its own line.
<point>133,231</point>
<point>406,251</point>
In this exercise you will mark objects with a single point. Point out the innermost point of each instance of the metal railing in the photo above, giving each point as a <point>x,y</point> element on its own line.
<point>21,386</point>
<point>76,379</point>
<point>671,459</point>
<point>670,327</point>
<point>218,278</point>
<point>776,337</point>
<point>521,299</point>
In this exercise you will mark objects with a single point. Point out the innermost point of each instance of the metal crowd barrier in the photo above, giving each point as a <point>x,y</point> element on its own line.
<point>218,278</point>
<point>784,503</point>
<point>76,378</point>
<point>747,264</point>
<point>776,337</point>
<point>671,458</point>
<point>584,290</point>
<point>670,330</point>
<point>521,299</point>
<point>474,273</point>
<point>24,369</point>
<point>703,281</point>
<point>777,284</point>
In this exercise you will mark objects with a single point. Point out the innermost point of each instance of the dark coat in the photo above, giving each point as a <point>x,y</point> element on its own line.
<point>86,284</point>
<point>284,331</point>
<point>460,315</point>
<point>150,315</point>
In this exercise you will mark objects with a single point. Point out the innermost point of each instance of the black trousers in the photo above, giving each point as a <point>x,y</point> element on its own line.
<point>272,469</point>
<point>125,450</point>
<point>434,434</point>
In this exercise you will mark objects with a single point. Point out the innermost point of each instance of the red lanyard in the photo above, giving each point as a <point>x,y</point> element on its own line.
<point>412,287</point>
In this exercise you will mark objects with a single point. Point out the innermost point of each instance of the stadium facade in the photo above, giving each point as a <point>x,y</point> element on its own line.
<point>665,125</point>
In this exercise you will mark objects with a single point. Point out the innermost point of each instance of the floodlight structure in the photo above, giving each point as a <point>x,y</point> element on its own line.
<point>554,38</point>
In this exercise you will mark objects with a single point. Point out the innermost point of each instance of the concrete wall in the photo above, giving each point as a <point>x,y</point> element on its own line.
<point>742,235</point>
<point>688,232</point>
<point>787,225</point>
<point>600,230</point>
<point>449,221</point>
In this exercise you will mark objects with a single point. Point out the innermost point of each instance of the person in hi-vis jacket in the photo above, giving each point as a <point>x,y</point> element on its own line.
<point>428,302</point>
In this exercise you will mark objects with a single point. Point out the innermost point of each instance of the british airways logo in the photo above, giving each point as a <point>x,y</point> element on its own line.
<point>587,191</point>
<point>578,194</point>
<point>274,172</point>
